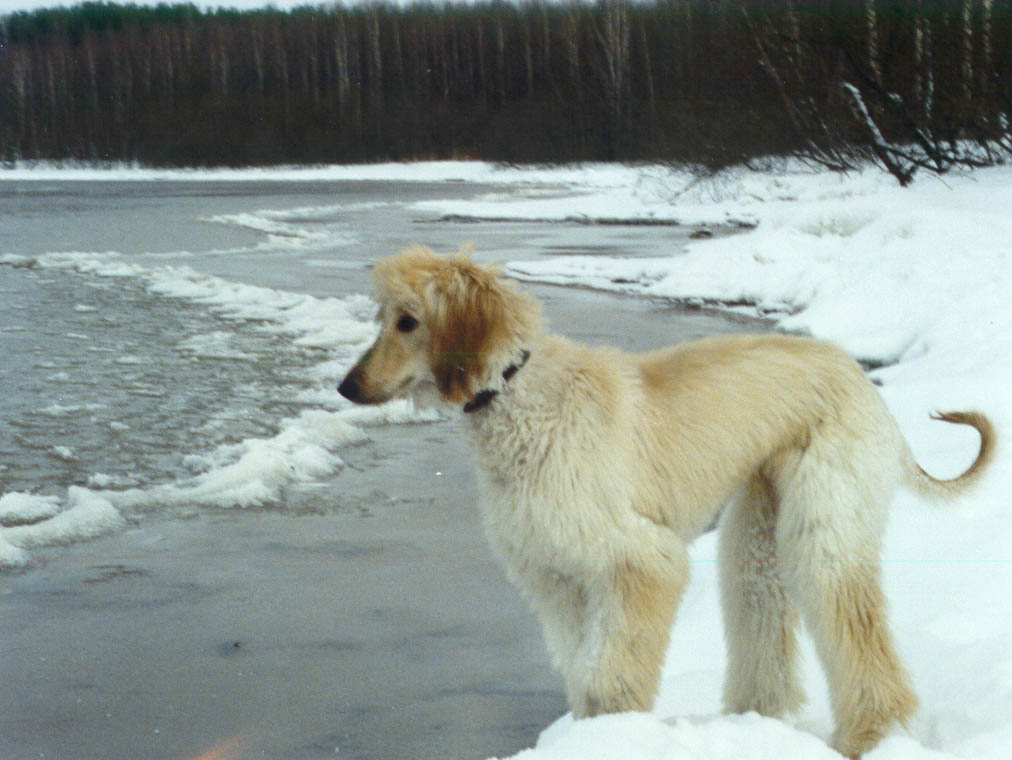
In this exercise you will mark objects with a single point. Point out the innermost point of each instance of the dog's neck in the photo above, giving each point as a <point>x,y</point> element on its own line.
<point>484,397</point>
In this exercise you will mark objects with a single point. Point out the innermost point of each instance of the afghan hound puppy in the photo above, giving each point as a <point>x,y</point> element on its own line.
<point>597,468</point>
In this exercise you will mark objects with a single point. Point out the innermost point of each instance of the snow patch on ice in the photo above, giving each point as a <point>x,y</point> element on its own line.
<point>217,346</point>
<point>254,471</point>
<point>17,508</point>
<point>285,229</point>
<point>67,410</point>
<point>85,515</point>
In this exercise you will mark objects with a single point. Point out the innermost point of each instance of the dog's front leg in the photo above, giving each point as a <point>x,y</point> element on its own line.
<point>630,610</point>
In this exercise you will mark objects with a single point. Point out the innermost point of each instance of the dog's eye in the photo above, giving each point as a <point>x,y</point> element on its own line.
<point>407,323</point>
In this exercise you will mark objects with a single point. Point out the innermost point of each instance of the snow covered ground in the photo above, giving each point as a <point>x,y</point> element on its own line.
<point>917,281</point>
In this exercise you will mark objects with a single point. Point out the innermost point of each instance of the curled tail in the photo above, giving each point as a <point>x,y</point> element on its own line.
<point>930,487</point>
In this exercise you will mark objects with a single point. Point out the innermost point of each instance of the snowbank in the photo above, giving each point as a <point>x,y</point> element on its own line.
<point>597,175</point>
<point>738,737</point>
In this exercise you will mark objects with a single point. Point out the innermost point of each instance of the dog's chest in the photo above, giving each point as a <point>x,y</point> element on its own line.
<point>526,530</point>
<point>549,503</point>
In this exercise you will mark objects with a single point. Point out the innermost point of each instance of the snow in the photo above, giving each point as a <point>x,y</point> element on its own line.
<point>917,281</point>
<point>417,171</point>
<point>26,508</point>
<point>85,515</point>
<point>252,472</point>
<point>738,737</point>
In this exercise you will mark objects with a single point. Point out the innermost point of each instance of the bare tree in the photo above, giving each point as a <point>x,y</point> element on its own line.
<point>613,38</point>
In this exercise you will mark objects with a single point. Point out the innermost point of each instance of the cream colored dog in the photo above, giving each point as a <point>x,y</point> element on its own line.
<point>597,468</point>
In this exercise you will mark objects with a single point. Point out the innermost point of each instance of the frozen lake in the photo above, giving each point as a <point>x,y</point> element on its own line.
<point>166,345</point>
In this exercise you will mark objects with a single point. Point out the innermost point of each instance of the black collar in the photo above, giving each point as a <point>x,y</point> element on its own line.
<point>484,398</point>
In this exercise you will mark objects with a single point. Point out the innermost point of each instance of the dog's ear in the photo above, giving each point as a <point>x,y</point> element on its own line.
<point>473,316</point>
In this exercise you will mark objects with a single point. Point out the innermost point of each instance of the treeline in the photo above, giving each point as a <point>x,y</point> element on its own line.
<point>701,82</point>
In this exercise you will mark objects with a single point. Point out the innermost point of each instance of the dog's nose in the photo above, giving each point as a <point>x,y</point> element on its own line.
<point>349,389</point>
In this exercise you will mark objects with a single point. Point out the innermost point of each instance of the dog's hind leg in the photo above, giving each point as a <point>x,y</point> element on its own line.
<point>829,538</point>
<point>628,627</point>
<point>869,686</point>
<point>759,621</point>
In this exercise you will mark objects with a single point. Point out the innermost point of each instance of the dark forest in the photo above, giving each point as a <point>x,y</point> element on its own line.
<point>704,83</point>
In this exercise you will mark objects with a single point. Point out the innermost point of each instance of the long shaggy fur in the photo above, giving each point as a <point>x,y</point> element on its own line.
<point>598,467</point>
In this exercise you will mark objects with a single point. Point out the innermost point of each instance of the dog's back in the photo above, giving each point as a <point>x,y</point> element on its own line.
<point>714,411</point>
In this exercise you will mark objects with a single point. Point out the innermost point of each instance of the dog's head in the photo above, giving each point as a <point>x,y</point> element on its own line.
<point>445,322</point>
